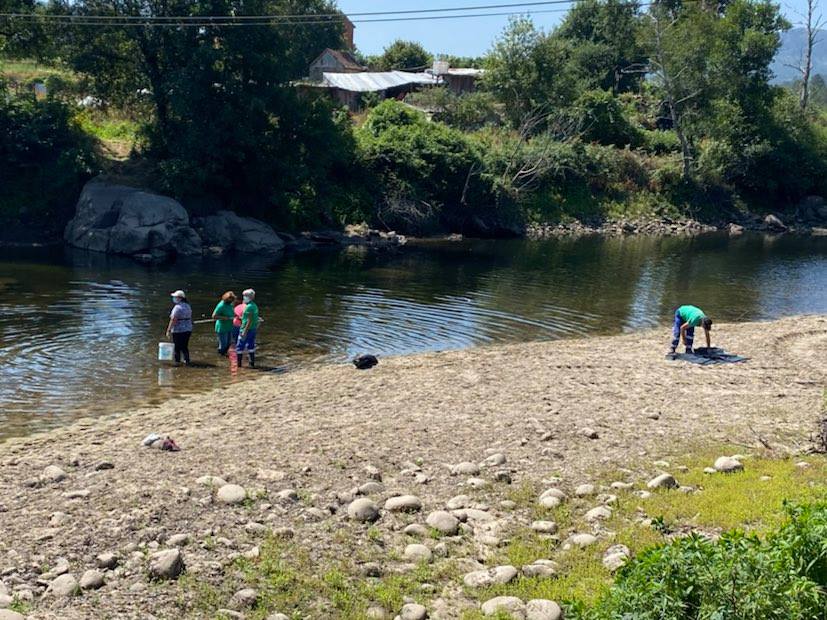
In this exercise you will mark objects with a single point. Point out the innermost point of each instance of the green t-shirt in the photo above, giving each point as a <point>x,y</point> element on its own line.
<point>691,315</point>
<point>224,309</point>
<point>249,320</point>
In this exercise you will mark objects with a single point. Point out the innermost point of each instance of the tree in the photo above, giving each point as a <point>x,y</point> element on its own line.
<point>404,56</point>
<point>813,25</point>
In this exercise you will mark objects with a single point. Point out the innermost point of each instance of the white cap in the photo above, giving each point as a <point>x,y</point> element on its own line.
<point>180,294</point>
<point>249,293</point>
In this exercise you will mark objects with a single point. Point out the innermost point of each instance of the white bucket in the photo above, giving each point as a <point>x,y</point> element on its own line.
<point>166,351</point>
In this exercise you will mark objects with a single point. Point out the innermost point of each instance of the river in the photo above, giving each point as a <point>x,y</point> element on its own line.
<point>79,331</point>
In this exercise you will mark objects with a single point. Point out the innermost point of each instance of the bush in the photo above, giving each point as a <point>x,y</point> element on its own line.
<point>737,577</point>
<point>659,142</point>
<point>603,120</point>
<point>469,111</point>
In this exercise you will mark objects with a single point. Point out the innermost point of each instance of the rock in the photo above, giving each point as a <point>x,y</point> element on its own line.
<point>664,481</point>
<point>615,557</point>
<point>582,540</point>
<point>5,601</point>
<point>77,494</point>
<point>376,613</point>
<point>510,605</point>
<point>477,483</point>
<point>8,614</point>
<point>231,494</point>
<point>413,611</point>
<point>589,433</point>
<point>107,561</point>
<point>489,577</point>
<point>727,465</point>
<point>167,564</point>
<point>621,486</point>
<point>244,599</point>
<point>802,465</point>
<point>417,553</point>
<point>270,475</point>
<point>104,465</point>
<point>371,488</point>
<point>63,587</point>
<point>231,232</point>
<point>544,527</point>
<point>465,469</point>
<point>600,513</point>
<point>211,481</point>
<point>178,540</point>
<point>288,495</point>
<point>460,501</point>
<point>541,568</point>
<point>502,475</point>
<point>117,219</point>
<point>230,614</point>
<point>91,580</point>
<point>584,490</point>
<point>403,503</point>
<point>735,230</point>
<point>774,223</point>
<point>542,609</point>
<point>363,509</point>
<point>710,470</point>
<point>551,498</point>
<point>373,473</point>
<point>53,473</point>
<point>494,460</point>
<point>416,529</point>
<point>443,522</point>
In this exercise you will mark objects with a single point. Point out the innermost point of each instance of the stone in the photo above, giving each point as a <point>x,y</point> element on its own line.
<point>735,229</point>
<point>417,553</point>
<point>77,494</point>
<point>541,568</point>
<point>443,522</point>
<point>211,481</point>
<point>477,483</point>
<point>270,475</point>
<point>91,580</point>
<point>371,488</point>
<point>465,468</point>
<point>589,433</point>
<point>663,481</point>
<point>544,527</point>
<point>621,486</point>
<point>118,219</point>
<point>460,501</point>
<point>416,529</point>
<point>494,460</point>
<point>107,561</point>
<point>727,465</point>
<point>63,586</point>
<point>178,540</point>
<point>542,609</point>
<point>53,473</point>
<point>231,232</point>
<point>376,613</point>
<point>231,494</point>
<point>584,490</point>
<point>582,540</point>
<point>167,564</point>
<point>373,473</point>
<point>231,614</point>
<point>489,577</point>
<point>413,611</point>
<point>244,598</point>
<point>5,601</point>
<point>600,513</point>
<point>502,475</point>
<point>551,498</point>
<point>615,557</point>
<point>288,495</point>
<point>278,616</point>
<point>510,605</point>
<point>363,509</point>
<point>403,503</point>
<point>8,614</point>
<point>710,470</point>
<point>104,465</point>
<point>774,223</point>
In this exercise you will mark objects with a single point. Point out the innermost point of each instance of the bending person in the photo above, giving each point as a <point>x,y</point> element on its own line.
<point>249,325</point>
<point>687,318</point>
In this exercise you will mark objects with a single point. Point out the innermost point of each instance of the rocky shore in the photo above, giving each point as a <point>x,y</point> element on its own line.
<point>431,461</point>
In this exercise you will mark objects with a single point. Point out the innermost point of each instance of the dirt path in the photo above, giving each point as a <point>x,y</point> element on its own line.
<point>316,430</point>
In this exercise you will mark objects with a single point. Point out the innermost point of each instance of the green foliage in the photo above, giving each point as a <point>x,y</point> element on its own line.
<point>659,142</point>
<point>468,111</point>
<point>403,56</point>
<point>603,120</point>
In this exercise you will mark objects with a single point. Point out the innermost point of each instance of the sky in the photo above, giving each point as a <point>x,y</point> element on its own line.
<point>462,37</point>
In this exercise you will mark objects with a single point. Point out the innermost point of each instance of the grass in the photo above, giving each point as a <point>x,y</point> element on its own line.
<point>28,70</point>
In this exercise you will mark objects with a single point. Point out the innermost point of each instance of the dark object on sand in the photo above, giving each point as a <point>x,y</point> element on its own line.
<point>363,362</point>
<point>169,445</point>
<point>707,356</point>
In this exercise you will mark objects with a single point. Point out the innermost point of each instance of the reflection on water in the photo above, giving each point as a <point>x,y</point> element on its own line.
<point>79,331</point>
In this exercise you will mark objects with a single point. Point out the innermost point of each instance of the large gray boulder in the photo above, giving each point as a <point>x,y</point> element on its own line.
<point>118,219</point>
<point>230,232</point>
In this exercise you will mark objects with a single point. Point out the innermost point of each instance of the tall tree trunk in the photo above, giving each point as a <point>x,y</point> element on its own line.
<point>807,68</point>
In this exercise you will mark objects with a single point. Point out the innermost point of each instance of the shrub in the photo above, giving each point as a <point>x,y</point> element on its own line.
<point>603,120</point>
<point>659,141</point>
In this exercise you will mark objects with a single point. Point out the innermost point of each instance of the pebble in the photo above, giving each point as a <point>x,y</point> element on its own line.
<point>231,494</point>
<point>710,470</point>
<point>63,587</point>
<point>270,475</point>
<point>363,509</point>
<point>107,560</point>
<point>502,475</point>
<point>551,498</point>
<point>465,468</point>
<point>661,463</point>
<point>477,483</point>
<point>417,553</point>
<point>413,611</point>
<point>621,486</point>
<point>540,568</point>
<point>727,465</point>
<point>375,613</point>
<point>288,495</point>
<point>370,488</point>
<point>510,605</point>
<point>615,557</point>
<point>542,609</point>
<point>77,494</point>
<point>544,527</point>
<point>373,473</point>
<point>443,521</point>
<point>460,501</point>
<point>416,529</point>
<point>589,433</point>
<point>494,460</point>
<point>91,580</point>
<point>582,540</point>
<point>277,616</point>
<point>53,473</point>
<point>802,465</point>
<point>600,513</point>
<point>178,540</point>
<point>211,481</point>
<point>104,465</point>
<point>664,481</point>
<point>489,577</point>
<point>244,598</point>
<point>403,503</point>
<point>167,564</point>
<point>508,504</point>
<point>58,518</point>
<point>8,614</point>
<point>584,490</point>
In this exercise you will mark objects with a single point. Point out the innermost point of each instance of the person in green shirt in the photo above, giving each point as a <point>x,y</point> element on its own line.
<point>249,325</point>
<point>687,318</point>
<point>223,315</point>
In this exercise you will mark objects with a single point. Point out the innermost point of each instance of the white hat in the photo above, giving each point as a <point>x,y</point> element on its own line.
<point>249,293</point>
<point>180,294</point>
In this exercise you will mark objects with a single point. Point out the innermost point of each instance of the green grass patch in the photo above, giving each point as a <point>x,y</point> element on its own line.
<point>108,128</point>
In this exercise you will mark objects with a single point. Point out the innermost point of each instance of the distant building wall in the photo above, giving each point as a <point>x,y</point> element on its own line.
<point>348,33</point>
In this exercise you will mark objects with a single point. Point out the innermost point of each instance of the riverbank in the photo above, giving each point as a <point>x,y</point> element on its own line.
<point>303,445</point>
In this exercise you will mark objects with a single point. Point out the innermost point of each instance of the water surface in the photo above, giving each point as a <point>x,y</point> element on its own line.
<point>79,331</point>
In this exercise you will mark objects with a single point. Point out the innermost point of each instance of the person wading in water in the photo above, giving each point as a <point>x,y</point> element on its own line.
<point>180,326</point>
<point>249,325</point>
<point>687,318</point>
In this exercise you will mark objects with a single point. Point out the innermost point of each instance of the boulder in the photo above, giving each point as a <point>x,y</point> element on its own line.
<point>727,464</point>
<point>167,564</point>
<point>812,209</point>
<point>774,223</point>
<point>509,606</point>
<point>231,232</point>
<point>118,219</point>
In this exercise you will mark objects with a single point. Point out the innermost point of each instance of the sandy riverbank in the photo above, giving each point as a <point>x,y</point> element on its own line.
<point>315,431</point>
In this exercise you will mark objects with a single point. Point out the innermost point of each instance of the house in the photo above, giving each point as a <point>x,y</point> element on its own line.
<point>334,61</point>
<point>459,80</point>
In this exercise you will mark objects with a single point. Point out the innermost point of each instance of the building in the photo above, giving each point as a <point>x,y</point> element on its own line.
<point>348,88</point>
<point>334,61</point>
<point>461,80</point>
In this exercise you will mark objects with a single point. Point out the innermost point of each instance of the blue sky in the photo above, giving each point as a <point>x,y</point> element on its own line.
<point>463,37</point>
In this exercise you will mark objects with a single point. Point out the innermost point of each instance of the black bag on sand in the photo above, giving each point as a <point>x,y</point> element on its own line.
<point>363,362</point>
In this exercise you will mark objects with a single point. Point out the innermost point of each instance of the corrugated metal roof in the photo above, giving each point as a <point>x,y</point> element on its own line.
<point>372,81</point>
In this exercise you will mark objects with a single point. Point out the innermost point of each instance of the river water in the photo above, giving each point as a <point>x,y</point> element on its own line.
<point>79,331</point>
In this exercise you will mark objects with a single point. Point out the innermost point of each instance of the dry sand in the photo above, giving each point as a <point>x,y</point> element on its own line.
<point>316,430</point>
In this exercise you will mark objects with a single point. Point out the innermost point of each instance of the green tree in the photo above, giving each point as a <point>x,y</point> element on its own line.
<point>404,56</point>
